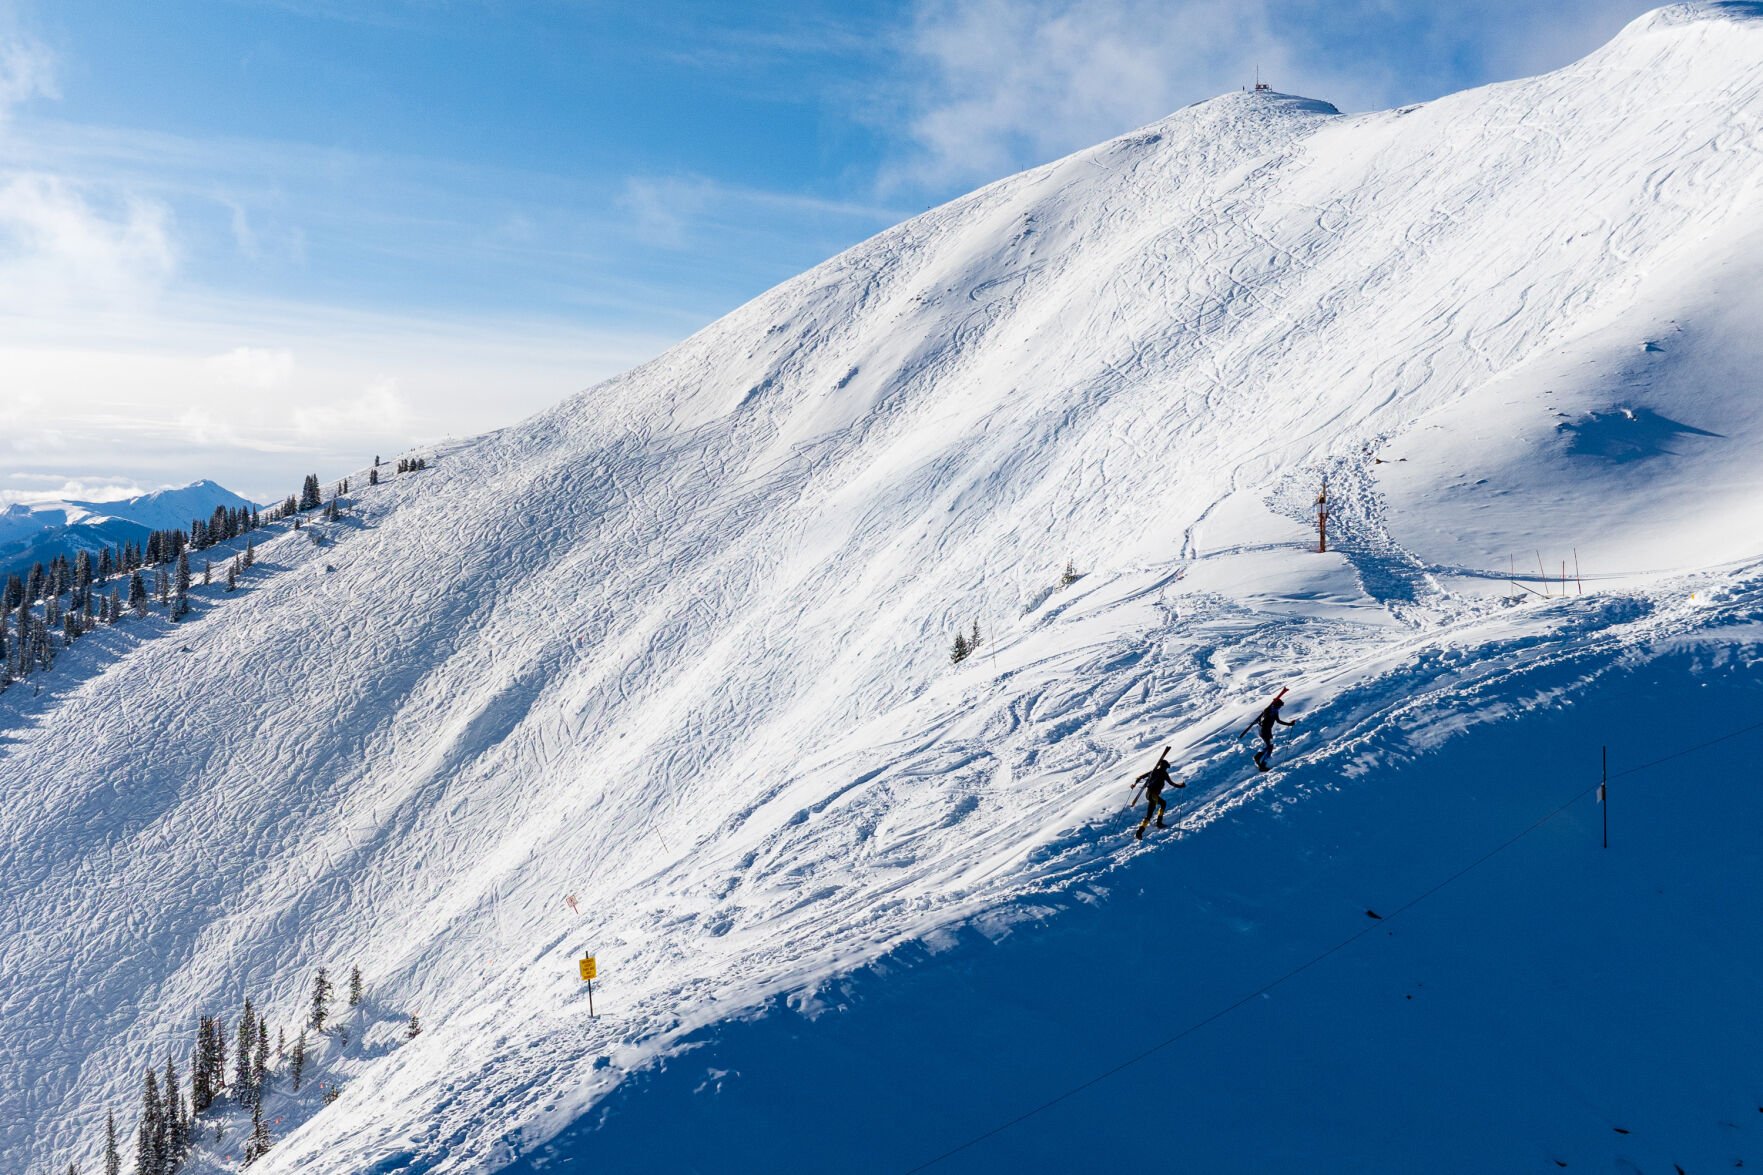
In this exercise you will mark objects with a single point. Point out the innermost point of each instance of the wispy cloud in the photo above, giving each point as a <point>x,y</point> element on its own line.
<point>253,393</point>
<point>675,212</point>
<point>27,67</point>
<point>998,83</point>
<point>986,87</point>
<point>66,488</point>
<point>64,245</point>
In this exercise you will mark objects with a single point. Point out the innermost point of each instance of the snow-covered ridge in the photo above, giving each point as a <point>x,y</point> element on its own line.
<point>677,649</point>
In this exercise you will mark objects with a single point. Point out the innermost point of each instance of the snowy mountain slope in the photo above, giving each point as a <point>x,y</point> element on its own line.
<point>678,647</point>
<point>1520,1014</point>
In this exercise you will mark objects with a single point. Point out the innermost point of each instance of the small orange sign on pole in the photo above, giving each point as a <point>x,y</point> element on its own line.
<point>589,970</point>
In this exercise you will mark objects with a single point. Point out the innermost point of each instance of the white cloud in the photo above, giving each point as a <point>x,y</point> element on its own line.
<point>991,86</point>
<point>663,210</point>
<point>671,212</point>
<point>999,83</point>
<point>64,488</point>
<point>256,395</point>
<point>377,407</point>
<point>59,245</point>
<point>27,69</point>
<point>254,368</point>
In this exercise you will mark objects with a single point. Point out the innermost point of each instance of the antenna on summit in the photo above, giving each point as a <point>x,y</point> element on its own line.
<point>1261,87</point>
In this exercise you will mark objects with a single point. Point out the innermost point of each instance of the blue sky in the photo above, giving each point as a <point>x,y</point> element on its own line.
<point>245,239</point>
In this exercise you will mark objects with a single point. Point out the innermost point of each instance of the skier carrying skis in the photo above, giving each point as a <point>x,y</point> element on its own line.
<point>1268,717</point>
<point>1155,780</point>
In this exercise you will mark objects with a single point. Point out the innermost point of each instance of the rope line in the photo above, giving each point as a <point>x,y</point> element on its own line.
<point>1577,796</point>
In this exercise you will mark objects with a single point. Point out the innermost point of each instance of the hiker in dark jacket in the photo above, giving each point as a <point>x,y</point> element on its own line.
<point>1268,717</point>
<point>1155,780</point>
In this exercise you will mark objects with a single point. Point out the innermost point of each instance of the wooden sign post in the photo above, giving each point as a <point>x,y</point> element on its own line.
<point>589,970</point>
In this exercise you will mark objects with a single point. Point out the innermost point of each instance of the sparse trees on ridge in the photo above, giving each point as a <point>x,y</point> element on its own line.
<point>966,644</point>
<point>166,1127</point>
<point>64,592</point>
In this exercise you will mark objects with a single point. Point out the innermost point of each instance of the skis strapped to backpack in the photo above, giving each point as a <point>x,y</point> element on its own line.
<point>1140,781</point>
<point>1283,690</point>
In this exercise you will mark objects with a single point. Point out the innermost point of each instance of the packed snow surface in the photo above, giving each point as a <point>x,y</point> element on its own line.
<point>678,649</point>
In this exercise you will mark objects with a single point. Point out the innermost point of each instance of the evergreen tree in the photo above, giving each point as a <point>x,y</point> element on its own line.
<point>257,1145</point>
<point>137,593</point>
<point>321,998</point>
<point>373,475</point>
<point>201,1093</point>
<point>250,556</point>
<point>299,1067</point>
<point>150,1134</point>
<point>244,1089</point>
<point>217,1055</point>
<point>354,986</point>
<point>959,653</point>
<point>260,1059</point>
<point>973,641</point>
<point>413,1029</point>
<point>207,572</point>
<point>174,1118</point>
<point>232,576</point>
<point>112,1156</point>
<point>181,606</point>
<point>310,495</point>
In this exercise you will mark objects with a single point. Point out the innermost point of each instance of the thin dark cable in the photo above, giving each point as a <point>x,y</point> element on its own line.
<point>1688,751</point>
<point>1305,966</point>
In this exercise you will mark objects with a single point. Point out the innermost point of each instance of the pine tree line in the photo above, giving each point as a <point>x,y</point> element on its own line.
<point>32,605</point>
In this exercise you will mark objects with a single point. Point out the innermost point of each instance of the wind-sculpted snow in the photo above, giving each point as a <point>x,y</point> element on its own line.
<point>678,649</point>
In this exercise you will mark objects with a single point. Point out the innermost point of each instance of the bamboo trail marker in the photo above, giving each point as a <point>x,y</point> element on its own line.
<point>590,969</point>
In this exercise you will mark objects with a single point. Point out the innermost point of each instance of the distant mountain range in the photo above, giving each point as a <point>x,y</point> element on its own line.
<point>38,531</point>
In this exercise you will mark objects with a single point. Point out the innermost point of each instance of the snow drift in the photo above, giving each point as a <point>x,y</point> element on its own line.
<point>678,648</point>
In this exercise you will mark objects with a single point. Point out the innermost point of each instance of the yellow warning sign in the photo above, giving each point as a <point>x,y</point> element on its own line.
<point>589,970</point>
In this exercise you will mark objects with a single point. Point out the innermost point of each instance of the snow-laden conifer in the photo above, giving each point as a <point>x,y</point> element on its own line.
<point>321,999</point>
